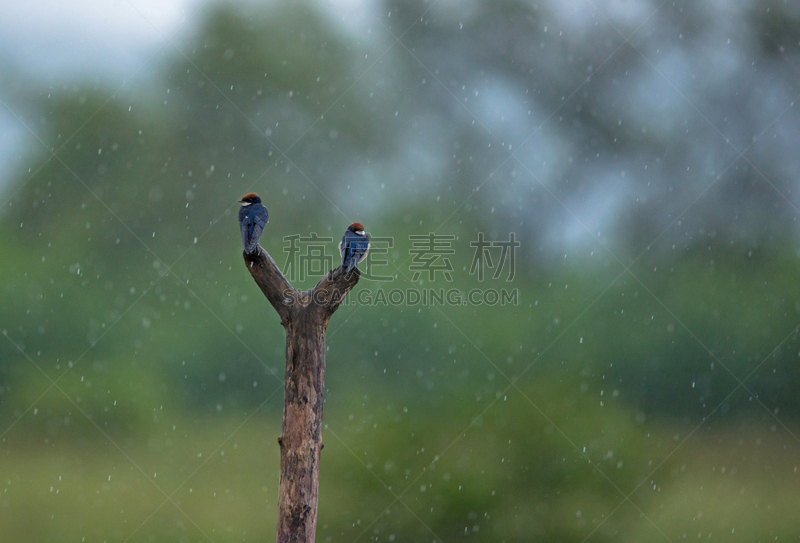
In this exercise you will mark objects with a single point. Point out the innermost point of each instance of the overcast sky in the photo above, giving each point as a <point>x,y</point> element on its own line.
<point>58,41</point>
<point>715,82</point>
<point>104,40</point>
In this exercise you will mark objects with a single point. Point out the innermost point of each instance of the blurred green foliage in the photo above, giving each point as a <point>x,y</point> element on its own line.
<point>577,413</point>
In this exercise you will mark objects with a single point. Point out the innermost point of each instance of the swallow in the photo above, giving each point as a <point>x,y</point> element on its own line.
<point>253,217</point>
<point>353,247</point>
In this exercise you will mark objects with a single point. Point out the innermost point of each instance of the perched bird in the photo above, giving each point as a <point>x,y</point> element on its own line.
<point>253,217</point>
<point>353,247</point>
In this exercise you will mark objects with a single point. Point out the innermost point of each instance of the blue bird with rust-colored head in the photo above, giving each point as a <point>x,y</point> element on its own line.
<point>353,247</point>
<point>253,217</point>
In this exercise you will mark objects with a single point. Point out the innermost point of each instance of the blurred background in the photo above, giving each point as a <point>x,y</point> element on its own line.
<point>642,386</point>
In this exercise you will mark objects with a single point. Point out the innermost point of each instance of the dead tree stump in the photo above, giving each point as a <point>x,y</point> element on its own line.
<point>304,316</point>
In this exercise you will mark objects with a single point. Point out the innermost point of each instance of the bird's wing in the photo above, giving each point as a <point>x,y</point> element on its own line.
<point>246,227</point>
<point>257,230</point>
<point>343,250</point>
<point>252,223</point>
<point>360,249</point>
<point>357,248</point>
<point>349,242</point>
<point>364,254</point>
<point>262,218</point>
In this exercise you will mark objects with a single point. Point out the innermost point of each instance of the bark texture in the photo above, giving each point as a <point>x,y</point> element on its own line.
<point>304,315</point>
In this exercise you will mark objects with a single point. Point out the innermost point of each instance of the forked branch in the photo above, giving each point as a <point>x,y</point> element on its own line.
<point>305,317</point>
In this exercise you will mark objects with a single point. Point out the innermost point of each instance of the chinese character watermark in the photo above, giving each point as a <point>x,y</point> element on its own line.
<point>307,256</point>
<point>312,256</point>
<point>376,257</point>
<point>482,258</point>
<point>429,255</point>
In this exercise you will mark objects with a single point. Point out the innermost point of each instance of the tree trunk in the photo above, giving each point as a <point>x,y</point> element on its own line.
<point>305,317</point>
